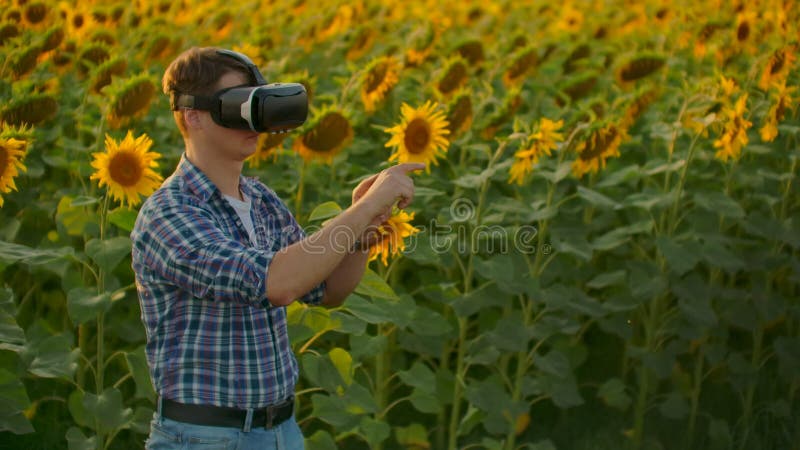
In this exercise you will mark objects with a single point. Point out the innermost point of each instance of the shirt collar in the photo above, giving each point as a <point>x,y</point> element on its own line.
<point>202,186</point>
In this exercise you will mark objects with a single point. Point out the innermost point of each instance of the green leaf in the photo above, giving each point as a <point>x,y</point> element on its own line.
<point>359,400</point>
<point>571,299</point>
<point>374,431</point>
<point>620,235</point>
<point>83,304</point>
<point>372,285</point>
<point>12,253</point>
<point>425,401</point>
<point>717,254</point>
<point>674,406</point>
<point>83,200</point>
<point>426,322</point>
<point>366,346</point>
<point>412,436</point>
<point>719,203</point>
<point>612,392</point>
<point>76,409</point>
<point>608,279</point>
<point>476,300</point>
<point>137,365</point>
<point>14,401</point>
<point>124,218</point>
<point>108,252</point>
<point>142,416</point>
<point>694,300</point>
<point>107,410</point>
<point>474,181</point>
<point>53,357</point>
<point>680,258</point>
<point>470,420</point>
<point>12,337</point>
<point>325,210</point>
<point>77,441</point>
<point>343,362</point>
<point>510,334</point>
<point>73,218</point>
<point>649,200</point>
<point>320,440</point>
<point>597,199</point>
<point>619,176</point>
<point>419,376</point>
<point>367,310</point>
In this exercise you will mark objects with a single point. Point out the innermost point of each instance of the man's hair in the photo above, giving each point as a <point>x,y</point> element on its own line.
<point>196,71</point>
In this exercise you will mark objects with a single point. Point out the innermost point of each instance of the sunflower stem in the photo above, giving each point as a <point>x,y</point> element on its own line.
<point>298,198</point>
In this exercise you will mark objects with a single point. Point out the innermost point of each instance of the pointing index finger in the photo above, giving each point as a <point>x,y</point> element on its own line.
<point>410,167</point>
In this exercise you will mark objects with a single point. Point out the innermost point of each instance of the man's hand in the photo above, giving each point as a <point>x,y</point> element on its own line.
<point>386,187</point>
<point>381,185</point>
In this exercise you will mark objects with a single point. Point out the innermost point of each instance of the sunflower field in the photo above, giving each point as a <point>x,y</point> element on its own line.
<point>603,253</point>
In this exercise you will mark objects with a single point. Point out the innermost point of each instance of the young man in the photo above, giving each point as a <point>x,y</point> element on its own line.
<point>217,257</point>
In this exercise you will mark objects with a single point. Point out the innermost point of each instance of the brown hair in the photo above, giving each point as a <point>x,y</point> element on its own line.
<point>196,71</point>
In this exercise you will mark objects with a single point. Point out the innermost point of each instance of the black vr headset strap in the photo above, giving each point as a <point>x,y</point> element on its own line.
<point>242,58</point>
<point>194,102</point>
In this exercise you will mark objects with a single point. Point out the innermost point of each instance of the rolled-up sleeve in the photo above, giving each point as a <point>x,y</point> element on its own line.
<point>187,247</point>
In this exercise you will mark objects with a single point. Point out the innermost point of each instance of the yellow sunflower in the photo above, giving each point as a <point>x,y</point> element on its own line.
<point>453,77</point>
<point>420,136</point>
<point>639,67</point>
<point>734,132</point>
<point>459,114</point>
<point>129,99</point>
<point>380,76</point>
<point>592,153</point>
<point>268,145</point>
<point>783,102</point>
<point>540,143</point>
<point>29,109</point>
<point>522,63</point>
<point>126,167</point>
<point>777,67</point>
<point>12,152</point>
<point>328,133</point>
<point>393,231</point>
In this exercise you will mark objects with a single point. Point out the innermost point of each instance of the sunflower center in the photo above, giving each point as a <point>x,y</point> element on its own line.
<point>328,134</point>
<point>598,144</point>
<point>376,77</point>
<point>418,135</point>
<point>125,169</point>
<point>4,160</point>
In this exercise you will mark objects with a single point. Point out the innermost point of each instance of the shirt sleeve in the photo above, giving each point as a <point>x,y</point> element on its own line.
<point>186,246</point>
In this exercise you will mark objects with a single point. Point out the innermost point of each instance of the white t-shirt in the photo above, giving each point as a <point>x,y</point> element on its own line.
<point>243,210</point>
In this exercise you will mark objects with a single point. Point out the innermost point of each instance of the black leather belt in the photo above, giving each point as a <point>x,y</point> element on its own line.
<point>218,416</point>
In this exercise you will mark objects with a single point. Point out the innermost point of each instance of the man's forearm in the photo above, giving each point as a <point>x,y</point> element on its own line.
<point>345,277</point>
<point>297,268</point>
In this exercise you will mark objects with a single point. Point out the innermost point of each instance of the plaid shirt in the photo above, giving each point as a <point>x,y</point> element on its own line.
<point>212,336</point>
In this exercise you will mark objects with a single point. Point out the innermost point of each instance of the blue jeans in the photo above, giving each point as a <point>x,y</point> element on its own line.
<point>167,434</point>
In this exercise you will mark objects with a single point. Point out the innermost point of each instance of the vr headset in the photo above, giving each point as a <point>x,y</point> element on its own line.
<point>272,108</point>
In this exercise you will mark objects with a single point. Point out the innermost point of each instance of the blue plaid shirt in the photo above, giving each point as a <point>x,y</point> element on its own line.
<point>213,338</point>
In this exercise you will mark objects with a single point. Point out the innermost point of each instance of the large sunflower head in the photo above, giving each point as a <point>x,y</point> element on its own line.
<point>30,109</point>
<point>327,134</point>
<point>472,51</point>
<point>13,146</point>
<point>129,99</point>
<point>459,114</point>
<point>638,67</point>
<point>777,67</point>
<point>454,75</point>
<point>380,76</point>
<point>602,144</point>
<point>522,62</point>
<point>103,74</point>
<point>393,231</point>
<point>420,136</point>
<point>541,142</point>
<point>126,167</point>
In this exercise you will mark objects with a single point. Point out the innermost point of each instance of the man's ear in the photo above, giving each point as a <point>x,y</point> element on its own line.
<point>192,118</point>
